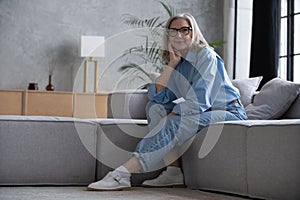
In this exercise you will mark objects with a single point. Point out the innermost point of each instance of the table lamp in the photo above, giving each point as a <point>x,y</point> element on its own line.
<point>91,47</point>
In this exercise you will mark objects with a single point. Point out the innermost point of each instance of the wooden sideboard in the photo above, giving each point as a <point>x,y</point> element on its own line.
<point>44,103</point>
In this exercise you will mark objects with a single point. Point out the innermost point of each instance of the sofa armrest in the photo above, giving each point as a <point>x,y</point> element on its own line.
<point>129,104</point>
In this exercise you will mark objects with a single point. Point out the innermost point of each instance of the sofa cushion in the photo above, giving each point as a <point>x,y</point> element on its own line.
<point>117,140</point>
<point>129,104</point>
<point>294,111</point>
<point>256,158</point>
<point>47,151</point>
<point>224,167</point>
<point>247,88</point>
<point>274,98</point>
<point>273,159</point>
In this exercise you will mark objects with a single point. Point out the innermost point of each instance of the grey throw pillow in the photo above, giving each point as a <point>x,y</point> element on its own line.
<point>294,110</point>
<point>247,88</point>
<point>274,98</point>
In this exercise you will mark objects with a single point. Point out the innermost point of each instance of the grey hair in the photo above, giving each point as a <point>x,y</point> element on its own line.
<point>198,41</point>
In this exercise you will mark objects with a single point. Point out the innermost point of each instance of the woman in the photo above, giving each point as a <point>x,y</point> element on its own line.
<point>196,74</point>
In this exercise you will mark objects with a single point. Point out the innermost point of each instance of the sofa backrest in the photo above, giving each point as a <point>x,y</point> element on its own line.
<point>127,104</point>
<point>132,104</point>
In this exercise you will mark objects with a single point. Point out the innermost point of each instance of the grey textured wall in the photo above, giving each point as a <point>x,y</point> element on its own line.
<point>35,32</point>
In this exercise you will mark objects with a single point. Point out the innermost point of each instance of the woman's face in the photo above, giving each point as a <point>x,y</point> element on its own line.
<point>183,34</point>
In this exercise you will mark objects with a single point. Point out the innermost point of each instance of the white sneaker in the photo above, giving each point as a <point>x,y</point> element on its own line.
<point>172,177</point>
<point>111,182</point>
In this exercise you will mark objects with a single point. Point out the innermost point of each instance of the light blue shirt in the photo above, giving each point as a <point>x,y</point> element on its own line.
<point>201,80</point>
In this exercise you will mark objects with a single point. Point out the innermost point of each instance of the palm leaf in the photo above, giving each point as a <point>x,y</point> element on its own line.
<point>134,21</point>
<point>154,52</point>
<point>135,67</point>
<point>127,80</point>
<point>170,10</point>
<point>216,43</point>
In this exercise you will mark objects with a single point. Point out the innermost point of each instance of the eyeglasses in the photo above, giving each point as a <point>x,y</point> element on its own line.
<point>174,31</point>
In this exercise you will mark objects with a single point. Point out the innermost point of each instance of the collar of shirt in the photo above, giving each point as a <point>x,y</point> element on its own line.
<point>193,56</point>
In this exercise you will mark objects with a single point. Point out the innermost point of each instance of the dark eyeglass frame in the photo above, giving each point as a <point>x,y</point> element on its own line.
<point>183,30</point>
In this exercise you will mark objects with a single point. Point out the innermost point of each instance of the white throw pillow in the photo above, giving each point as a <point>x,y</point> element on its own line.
<point>247,88</point>
<point>274,98</point>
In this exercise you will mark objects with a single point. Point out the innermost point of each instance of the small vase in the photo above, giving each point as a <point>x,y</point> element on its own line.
<point>50,87</point>
<point>33,86</point>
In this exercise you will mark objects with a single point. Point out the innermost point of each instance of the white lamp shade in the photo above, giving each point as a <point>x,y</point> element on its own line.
<point>92,46</point>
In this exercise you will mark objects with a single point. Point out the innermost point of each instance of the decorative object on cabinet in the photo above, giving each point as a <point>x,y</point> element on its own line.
<point>33,86</point>
<point>50,87</point>
<point>51,67</point>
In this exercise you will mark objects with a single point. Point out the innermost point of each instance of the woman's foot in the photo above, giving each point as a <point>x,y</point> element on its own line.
<point>113,181</point>
<point>172,177</point>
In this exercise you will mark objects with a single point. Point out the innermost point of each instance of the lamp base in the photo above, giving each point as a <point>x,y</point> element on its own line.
<point>96,63</point>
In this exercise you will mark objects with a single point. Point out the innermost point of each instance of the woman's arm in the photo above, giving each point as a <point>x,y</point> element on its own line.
<point>162,80</point>
<point>158,91</point>
<point>201,86</point>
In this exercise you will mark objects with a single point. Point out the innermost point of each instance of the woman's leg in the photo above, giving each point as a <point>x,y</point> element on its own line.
<point>156,111</point>
<point>119,179</point>
<point>161,140</point>
<point>133,165</point>
<point>171,159</point>
<point>175,131</point>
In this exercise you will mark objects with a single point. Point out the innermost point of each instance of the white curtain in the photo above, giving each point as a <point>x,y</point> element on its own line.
<point>243,37</point>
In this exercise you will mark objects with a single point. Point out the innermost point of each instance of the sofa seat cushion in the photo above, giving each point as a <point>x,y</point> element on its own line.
<point>104,121</point>
<point>273,159</point>
<point>256,158</point>
<point>117,139</point>
<point>224,167</point>
<point>47,151</point>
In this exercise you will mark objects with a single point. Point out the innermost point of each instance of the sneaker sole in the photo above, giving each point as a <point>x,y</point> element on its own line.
<point>103,190</point>
<point>164,186</point>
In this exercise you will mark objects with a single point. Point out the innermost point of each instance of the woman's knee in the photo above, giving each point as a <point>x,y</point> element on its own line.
<point>154,109</point>
<point>148,106</point>
<point>162,109</point>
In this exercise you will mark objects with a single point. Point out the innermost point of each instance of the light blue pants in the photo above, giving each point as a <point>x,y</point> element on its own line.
<point>174,131</point>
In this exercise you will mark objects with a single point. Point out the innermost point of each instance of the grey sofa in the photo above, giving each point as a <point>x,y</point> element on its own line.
<point>41,150</point>
<point>46,151</point>
<point>255,158</point>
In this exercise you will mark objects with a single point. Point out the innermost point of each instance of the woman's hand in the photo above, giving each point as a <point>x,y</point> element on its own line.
<point>162,80</point>
<point>175,56</point>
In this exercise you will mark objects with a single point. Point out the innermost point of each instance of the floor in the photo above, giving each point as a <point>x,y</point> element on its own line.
<point>137,193</point>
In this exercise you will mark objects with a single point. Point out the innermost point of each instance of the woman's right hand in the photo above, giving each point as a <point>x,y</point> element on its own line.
<point>163,79</point>
<point>175,56</point>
